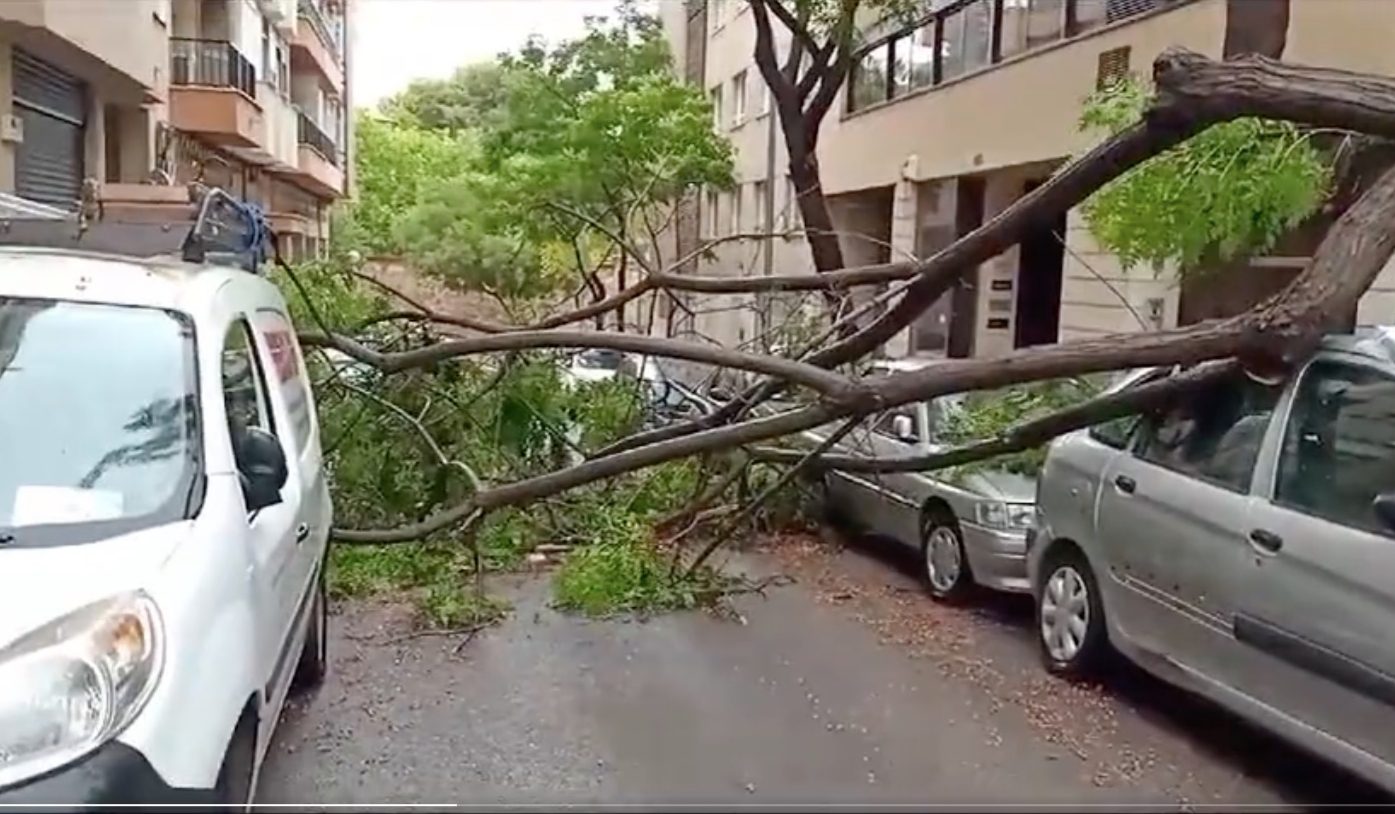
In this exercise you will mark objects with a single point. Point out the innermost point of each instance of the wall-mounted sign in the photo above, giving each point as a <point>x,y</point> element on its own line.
<point>1002,285</point>
<point>1000,306</point>
<point>999,323</point>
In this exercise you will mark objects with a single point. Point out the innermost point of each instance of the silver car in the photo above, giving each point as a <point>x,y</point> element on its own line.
<point>970,530</point>
<point>1242,545</point>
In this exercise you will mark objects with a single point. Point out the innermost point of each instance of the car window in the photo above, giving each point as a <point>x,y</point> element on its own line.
<point>98,420</point>
<point>1215,435</point>
<point>244,385</point>
<point>1115,433</point>
<point>1339,446</point>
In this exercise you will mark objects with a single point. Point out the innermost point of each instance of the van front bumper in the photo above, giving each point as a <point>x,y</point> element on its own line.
<point>113,773</point>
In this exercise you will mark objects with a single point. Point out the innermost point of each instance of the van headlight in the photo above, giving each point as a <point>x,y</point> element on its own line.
<point>76,682</point>
<point>1005,516</point>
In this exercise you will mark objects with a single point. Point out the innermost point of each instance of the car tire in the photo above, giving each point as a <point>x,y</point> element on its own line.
<point>944,566</point>
<point>313,665</point>
<point>234,785</point>
<point>1071,632</point>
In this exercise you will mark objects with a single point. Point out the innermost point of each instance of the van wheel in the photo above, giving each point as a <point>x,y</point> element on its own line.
<point>234,784</point>
<point>1070,615</point>
<point>944,565</point>
<point>314,657</point>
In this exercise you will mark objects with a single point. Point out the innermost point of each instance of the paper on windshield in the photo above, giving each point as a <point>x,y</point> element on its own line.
<point>41,505</point>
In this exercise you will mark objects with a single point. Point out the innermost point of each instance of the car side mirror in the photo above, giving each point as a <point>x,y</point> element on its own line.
<point>262,464</point>
<point>1384,507</point>
<point>904,428</point>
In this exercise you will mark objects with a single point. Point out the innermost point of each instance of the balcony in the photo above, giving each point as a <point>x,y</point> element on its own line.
<point>213,90</point>
<point>315,46</point>
<point>318,169</point>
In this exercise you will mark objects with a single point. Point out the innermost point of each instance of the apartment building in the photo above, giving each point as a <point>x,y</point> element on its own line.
<point>140,97</point>
<point>950,118</point>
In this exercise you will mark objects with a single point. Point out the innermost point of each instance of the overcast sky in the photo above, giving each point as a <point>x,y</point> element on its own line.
<point>396,41</point>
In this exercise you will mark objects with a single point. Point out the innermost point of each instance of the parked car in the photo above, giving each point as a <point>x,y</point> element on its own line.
<point>164,518</point>
<point>1241,545</point>
<point>969,531</point>
<point>593,365</point>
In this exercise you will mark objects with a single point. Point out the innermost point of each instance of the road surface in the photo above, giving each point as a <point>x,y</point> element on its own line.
<point>848,686</point>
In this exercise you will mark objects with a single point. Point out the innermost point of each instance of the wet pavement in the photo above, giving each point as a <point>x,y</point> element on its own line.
<point>848,686</point>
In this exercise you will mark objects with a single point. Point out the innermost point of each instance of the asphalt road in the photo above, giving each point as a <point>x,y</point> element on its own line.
<point>848,686</point>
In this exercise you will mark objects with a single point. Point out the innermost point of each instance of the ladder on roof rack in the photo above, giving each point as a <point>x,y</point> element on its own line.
<point>224,229</point>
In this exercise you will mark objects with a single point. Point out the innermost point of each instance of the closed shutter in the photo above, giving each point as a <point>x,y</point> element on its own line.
<point>52,104</point>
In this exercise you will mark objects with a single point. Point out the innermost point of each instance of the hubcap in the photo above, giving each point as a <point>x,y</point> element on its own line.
<point>1065,613</point>
<point>942,563</point>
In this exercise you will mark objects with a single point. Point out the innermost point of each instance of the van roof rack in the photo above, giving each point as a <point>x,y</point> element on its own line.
<point>224,230</point>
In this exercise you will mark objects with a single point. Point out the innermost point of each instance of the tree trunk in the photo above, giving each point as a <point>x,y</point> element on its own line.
<point>1256,27</point>
<point>813,207</point>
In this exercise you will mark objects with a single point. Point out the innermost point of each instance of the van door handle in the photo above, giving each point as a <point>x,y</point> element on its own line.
<point>302,533</point>
<point>1126,484</point>
<point>1267,540</point>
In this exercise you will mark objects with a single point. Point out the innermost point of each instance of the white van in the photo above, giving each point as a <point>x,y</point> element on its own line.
<point>164,518</point>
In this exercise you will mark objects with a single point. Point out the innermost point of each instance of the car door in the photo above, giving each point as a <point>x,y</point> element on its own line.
<point>1319,588</point>
<point>292,395</point>
<point>898,433</point>
<point>271,531</point>
<point>1171,518</point>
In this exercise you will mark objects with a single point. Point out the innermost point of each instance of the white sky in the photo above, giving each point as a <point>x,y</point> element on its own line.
<point>396,41</point>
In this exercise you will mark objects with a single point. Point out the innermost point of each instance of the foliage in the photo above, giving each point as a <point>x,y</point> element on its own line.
<point>986,414</point>
<point>623,573</point>
<point>586,138</point>
<point>1228,192</point>
<point>466,101</point>
<point>393,163</point>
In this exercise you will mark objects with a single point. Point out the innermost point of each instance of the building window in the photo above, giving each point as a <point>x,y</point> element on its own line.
<point>966,42</point>
<point>1031,23</point>
<point>736,195</point>
<point>789,214</point>
<point>710,213</point>
<point>716,96</point>
<point>758,192</point>
<point>913,60</point>
<point>765,98</point>
<point>738,98</point>
<point>869,79</point>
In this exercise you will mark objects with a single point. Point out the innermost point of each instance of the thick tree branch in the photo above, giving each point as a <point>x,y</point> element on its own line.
<point>1034,433</point>
<point>831,385</point>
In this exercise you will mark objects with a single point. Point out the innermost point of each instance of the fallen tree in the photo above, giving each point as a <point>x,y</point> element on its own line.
<point>1193,93</point>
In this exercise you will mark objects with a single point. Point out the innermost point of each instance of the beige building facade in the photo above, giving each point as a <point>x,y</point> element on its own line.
<point>948,121</point>
<point>139,97</point>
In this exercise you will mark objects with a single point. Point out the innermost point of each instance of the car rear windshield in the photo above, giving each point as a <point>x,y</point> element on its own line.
<point>98,420</point>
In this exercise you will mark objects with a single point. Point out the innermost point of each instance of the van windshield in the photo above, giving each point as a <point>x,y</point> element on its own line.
<point>98,420</point>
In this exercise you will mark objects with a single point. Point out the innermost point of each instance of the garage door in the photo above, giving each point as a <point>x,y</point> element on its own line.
<point>52,104</point>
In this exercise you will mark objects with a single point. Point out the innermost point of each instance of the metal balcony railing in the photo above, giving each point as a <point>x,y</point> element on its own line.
<point>211,62</point>
<point>311,11</point>
<point>313,137</point>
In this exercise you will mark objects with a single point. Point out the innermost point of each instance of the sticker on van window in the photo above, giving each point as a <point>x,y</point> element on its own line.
<point>283,355</point>
<point>41,505</point>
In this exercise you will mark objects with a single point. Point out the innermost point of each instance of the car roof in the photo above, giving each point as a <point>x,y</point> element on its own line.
<point>66,274</point>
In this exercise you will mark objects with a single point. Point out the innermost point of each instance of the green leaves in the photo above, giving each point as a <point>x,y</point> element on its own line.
<point>503,178</point>
<point>1228,192</point>
<point>989,414</point>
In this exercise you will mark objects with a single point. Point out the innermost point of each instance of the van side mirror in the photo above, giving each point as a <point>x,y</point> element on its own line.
<point>262,465</point>
<point>1384,507</point>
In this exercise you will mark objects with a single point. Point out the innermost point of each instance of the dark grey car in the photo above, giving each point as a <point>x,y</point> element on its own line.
<point>1242,545</point>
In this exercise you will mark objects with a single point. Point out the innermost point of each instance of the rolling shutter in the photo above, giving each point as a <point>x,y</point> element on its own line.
<point>52,104</point>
